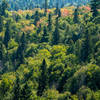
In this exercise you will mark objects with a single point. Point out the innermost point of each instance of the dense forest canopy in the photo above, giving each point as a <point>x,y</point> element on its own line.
<point>51,52</point>
<point>30,4</point>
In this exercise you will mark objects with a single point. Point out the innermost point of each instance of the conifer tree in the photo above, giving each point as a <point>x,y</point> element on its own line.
<point>17,89</point>
<point>1,23</point>
<point>1,49</point>
<point>7,34</point>
<point>4,7</point>
<point>76,19</point>
<point>49,21</point>
<point>20,50</point>
<point>43,79</point>
<point>94,7</point>
<point>56,35</point>
<point>26,92</point>
<point>45,35</point>
<point>36,16</point>
<point>46,6</point>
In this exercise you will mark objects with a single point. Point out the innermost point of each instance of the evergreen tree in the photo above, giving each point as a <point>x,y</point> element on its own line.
<point>26,92</point>
<point>57,9</point>
<point>94,7</point>
<point>45,35</point>
<point>4,6</point>
<point>1,49</point>
<point>20,51</point>
<point>85,50</point>
<point>43,79</point>
<point>59,13</point>
<point>17,89</point>
<point>36,16</point>
<point>76,19</point>
<point>46,6</point>
<point>49,22</point>
<point>1,23</point>
<point>56,35</point>
<point>7,34</point>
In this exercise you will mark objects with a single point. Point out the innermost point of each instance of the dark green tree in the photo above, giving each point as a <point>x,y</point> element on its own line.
<point>56,35</point>
<point>46,6</point>
<point>1,23</point>
<point>59,13</point>
<point>49,21</point>
<point>36,18</point>
<point>94,7</point>
<point>43,79</point>
<point>4,7</point>
<point>17,89</point>
<point>57,9</point>
<point>45,36</point>
<point>7,34</point>
<point>20,53</point>
<point>1,50</point>
<point>76,18</point>
<point>26,92</point>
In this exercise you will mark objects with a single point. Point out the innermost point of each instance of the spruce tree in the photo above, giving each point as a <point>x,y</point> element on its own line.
<point>20,51</point>
<point>94,7</point>
<point>7,34</point>
<point>17,89</point>
<point>43,79</point>
<point>45,35</point>
<point>36,16</point>
<point>4,6</point>
<point>49,22</point>
<point>1,23</point>
<point>1,50</point>
<point>26,92</point>
<point>76,19</point>
<point>46,6</point>
<point>56,35</point>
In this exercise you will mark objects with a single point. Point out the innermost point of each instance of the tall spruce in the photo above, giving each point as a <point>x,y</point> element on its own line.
<point>26,92</point>
<point>56,35</point>
<point>94,7</point>
<point>17,89</point>
<point>1,23</point>
<point>7,34</point>
<point>46,6</point>
<point>36,16</point>
<point>4,7</point>
<point>45,37</point>
<point>76,18</point>
<point>20,51</point>
<point>49,22</point>
<point>43,79</point>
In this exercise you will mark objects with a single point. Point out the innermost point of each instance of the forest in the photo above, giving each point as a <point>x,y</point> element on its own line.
<point>49,51</point>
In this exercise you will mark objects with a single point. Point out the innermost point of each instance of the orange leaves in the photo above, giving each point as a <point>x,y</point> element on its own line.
<point>64,12</point>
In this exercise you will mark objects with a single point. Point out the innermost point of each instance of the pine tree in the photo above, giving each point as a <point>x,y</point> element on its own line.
<point>49,22</point>
<point>46,6</point>
<point>7,34</point>
<point>85,50</point>
<point>17,89</point>
<point>56,35</point>
<point>57,9</point>
<point>76,19</point>
<point>26,92</point>
<point>43,79</point>
<point>1,23</point>
<point>1,49</point>
<point>20,51</point>
<point>36,16</point>
<point>4,6</point>
<point>94,7</point>
<point>59,13</point>
<point>45,35</point>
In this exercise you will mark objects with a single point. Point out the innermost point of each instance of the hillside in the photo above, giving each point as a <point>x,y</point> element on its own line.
<point>50,54</point>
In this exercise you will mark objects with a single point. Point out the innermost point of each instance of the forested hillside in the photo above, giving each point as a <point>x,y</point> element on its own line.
<point>50,54</point>
<point>30,4</point>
